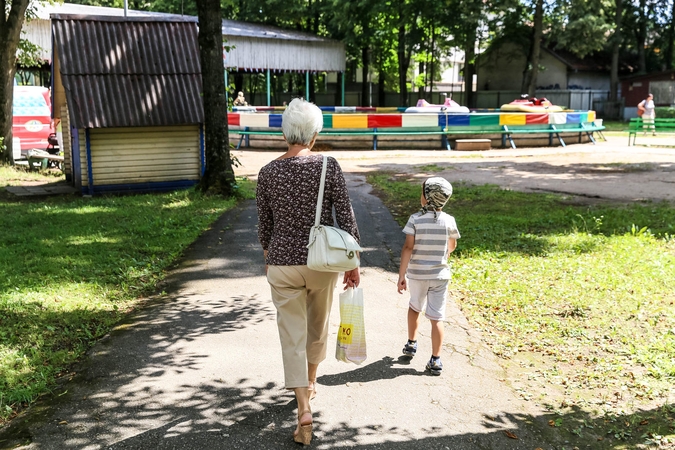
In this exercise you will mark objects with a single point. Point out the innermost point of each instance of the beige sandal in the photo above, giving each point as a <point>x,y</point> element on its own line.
<point>303,433</point>
<point>311,389</point>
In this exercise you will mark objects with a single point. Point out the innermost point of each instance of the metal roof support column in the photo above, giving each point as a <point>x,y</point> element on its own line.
<point>307,85</point>
<point>227,101</point>
<point>269,102</point>
<point>343,88</point>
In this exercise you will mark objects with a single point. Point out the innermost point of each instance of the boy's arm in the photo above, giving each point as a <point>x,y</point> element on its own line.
<point>452,245</point>
<point>406,254</point>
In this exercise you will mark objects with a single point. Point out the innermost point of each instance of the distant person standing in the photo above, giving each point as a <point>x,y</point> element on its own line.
<point>648,113</point>
<point>240,100</point>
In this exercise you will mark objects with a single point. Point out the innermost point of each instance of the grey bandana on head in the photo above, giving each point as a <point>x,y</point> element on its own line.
<point>437,191</point>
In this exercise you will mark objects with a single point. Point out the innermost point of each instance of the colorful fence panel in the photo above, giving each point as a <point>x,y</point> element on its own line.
<point>344,120</point>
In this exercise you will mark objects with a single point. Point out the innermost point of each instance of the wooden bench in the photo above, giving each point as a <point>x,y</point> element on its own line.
<point>503,130</point>
<point>41,159</point>
<point>638,125</point>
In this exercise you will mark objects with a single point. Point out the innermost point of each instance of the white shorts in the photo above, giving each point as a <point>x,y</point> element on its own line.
<point>430,293</point>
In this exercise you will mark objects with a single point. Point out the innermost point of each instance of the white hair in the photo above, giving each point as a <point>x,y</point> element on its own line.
<point>301,121</point>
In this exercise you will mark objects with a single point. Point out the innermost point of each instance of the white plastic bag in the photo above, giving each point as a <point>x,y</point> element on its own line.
<point>351,338</point>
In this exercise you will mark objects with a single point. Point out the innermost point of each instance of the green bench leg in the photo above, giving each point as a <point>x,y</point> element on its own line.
<point>445,143</point>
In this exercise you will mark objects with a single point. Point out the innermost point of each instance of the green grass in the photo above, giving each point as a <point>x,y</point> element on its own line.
<point>615,125</point>
<point>578,301</point>
<point>72,267</point>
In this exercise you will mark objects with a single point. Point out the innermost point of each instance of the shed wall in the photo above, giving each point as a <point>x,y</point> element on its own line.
<point>67,144</point>
<point>141,155</point>
<point>502,70</point>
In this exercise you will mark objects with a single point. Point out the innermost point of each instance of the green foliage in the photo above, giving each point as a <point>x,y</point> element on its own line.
<point>72,267</point>
<point>578,300</point>
<point>29,54</point>
<point>667,112</point>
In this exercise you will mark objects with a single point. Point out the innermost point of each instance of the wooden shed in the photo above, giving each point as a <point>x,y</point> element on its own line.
<point>635,88</point>
<point>128,93</point>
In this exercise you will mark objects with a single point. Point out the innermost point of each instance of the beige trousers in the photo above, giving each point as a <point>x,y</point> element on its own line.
<point>303,298</point>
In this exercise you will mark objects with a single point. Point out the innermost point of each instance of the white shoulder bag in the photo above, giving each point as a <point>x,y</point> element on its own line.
<point>331,249</point>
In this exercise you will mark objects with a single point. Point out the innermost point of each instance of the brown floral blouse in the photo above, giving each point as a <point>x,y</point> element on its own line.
<point>286,197</point>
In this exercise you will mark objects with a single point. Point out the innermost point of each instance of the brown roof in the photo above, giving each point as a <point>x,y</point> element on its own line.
<point>128,72</point>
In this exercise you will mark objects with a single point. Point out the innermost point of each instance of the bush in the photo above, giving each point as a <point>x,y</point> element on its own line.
<point>665,112</point>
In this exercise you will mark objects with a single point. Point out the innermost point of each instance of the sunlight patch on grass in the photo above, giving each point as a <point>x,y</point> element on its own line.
<point>72,267</point>
<point>580,298</point>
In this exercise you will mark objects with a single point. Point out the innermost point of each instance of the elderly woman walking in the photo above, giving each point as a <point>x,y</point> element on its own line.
<point>286,197</point>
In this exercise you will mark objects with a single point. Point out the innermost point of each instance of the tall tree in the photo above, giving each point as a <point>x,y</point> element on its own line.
<point>11,20</point>
<point>409,34</point>
<point>531,71</point>
<point>616,48</point>
<point>464,20</point>
<point>219,176</point>
<point>355,23</point>
<point>670,45</point>
<point>641,36</point>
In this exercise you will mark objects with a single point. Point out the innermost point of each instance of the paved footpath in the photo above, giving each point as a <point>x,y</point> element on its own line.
<point>200,366</point>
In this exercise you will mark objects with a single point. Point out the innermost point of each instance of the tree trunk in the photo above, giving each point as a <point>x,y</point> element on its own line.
<point>381,96</point>
<point>670,46</point>
<point>338,89</point>
<point>403,64</point>
<point>238,84</point>
<point>642,37</point>
<point>365,94</point>
<point>10,33</point>
<point>530,80</point>
<point>469,66</point>
<point>431,63</point>
<point>616,48</point>
<point>219,176</point>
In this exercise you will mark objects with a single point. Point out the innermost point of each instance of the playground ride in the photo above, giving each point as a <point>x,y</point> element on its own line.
<point>449,107</point>
<point>424,130</point>
<point>534,105</point>
<point>324,109</point>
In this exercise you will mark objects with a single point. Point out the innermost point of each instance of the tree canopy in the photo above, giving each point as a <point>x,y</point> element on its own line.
<point>386,39</point>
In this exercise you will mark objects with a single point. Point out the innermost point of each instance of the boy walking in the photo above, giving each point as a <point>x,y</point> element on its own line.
<point>431,235</point>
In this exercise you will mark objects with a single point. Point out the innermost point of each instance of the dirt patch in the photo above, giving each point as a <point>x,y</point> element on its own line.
<point>608,171</point>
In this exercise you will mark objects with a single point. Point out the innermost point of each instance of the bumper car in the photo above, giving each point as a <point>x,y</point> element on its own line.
<point>449,107</point>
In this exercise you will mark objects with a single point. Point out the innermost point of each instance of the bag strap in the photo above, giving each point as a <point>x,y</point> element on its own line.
<point>322,185</point>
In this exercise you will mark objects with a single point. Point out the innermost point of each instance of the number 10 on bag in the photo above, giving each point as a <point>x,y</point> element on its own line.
<point>351,338</point>
<point>345,333</point>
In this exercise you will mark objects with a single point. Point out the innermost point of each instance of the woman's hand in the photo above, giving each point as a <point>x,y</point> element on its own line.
<point>352,278</point>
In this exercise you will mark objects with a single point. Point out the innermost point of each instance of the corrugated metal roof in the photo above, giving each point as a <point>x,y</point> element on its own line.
<point>230,27</point>
<point>134,71</point>
<point>254,46</point>
<point>247,29</point>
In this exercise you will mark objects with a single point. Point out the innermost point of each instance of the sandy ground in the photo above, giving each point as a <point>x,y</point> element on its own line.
<point>609,170</point>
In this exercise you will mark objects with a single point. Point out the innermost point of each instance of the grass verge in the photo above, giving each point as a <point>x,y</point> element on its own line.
<point>72,267</point>
<point>578,301</point>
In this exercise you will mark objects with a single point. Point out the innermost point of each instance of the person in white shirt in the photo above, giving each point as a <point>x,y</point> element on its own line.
<point>431,235</point>
<point>648,113</point>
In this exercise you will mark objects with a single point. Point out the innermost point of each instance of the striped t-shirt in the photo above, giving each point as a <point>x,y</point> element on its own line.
<point>429,259</point>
